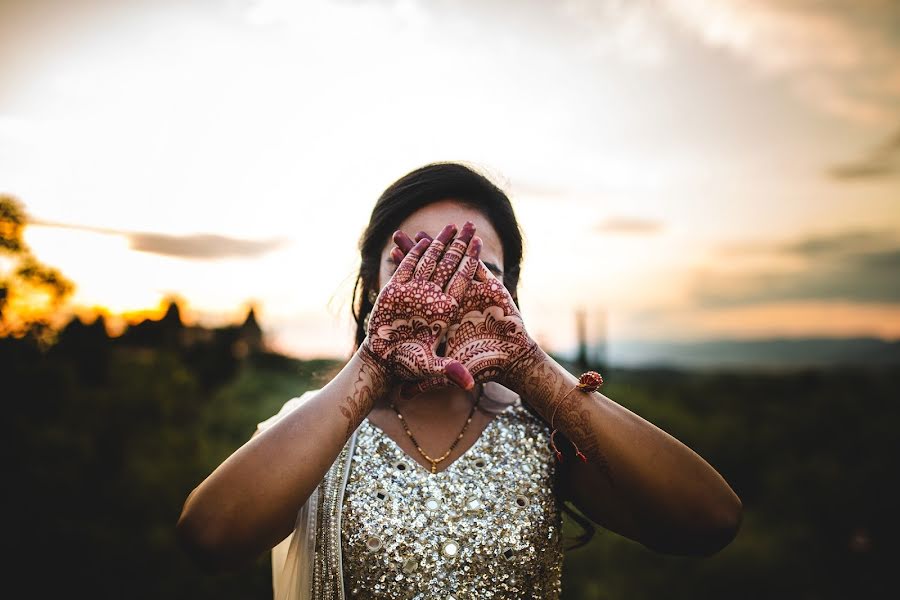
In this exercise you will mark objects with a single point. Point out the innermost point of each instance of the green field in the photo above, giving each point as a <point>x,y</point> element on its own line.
<point>107,442</point>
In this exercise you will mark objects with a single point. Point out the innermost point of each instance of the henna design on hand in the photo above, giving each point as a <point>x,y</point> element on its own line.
<point>489,336</point>
<point>491,341</point>
<point>413,311</point>
<point>453,257</point>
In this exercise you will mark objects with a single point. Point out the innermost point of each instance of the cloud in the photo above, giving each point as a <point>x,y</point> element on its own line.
<point>843,58</point>
<point>889,259</point>
<point>629,30</point>
<point>839,243</point>
<point>881,161</point>
<point>629,225</point>
<point>856,265</point>
<point>201,246</point>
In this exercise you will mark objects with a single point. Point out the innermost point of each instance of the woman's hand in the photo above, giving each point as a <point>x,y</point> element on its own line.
<point>488,338</point>
<point>417,306</point>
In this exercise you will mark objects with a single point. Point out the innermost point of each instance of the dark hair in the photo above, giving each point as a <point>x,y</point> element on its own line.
<point>426,185</point>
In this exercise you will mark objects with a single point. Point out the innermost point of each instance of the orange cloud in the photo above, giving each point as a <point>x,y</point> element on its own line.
<point>850,265</point>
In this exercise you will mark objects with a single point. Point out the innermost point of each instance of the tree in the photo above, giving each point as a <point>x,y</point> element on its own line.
<point>30,291</point>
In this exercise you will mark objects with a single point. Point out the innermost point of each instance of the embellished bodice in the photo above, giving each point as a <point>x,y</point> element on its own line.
<point>487,526</point>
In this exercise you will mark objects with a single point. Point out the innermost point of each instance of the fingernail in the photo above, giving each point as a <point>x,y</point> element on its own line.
<point>446,233</point>
<point>467,232</point>
<point>458,373</point>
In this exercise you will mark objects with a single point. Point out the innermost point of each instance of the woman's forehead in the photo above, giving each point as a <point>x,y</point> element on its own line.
<point>432,218</point>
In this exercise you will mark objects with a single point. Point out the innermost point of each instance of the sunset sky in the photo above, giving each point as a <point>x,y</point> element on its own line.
<point>682,170</point>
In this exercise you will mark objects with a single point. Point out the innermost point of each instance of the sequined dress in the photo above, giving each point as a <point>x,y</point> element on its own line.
<point>487,526</point>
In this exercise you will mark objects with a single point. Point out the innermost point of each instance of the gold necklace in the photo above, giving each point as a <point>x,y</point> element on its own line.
<point>435,461</point>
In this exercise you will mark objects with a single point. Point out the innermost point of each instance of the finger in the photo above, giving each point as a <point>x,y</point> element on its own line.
<point>457,373</point>
<point>466,271</point>
<point>408,266</point>
<point>454,254</point>
<point>454,374</point>
<point>403,242</point>
<point>429,260</point>
<point>397,255</point>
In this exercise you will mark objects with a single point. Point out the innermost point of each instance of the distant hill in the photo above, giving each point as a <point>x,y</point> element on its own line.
<point>774,353</point>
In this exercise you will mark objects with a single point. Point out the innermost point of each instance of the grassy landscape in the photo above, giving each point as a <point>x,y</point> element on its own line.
<point>107,442</point>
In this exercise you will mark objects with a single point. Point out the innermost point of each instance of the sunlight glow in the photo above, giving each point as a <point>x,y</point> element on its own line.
<point>631,170</point>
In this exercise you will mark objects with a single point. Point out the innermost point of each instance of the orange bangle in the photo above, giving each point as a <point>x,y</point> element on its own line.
<point>588,382</point>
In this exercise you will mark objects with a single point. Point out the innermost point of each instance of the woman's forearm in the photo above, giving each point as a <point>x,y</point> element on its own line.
<point>250,502</point>
<point>667,496</point>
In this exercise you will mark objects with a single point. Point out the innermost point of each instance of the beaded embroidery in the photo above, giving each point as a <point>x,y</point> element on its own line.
<point>487,526</point>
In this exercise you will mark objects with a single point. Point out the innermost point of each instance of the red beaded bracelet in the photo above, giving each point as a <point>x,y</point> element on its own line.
<point>588,382</point>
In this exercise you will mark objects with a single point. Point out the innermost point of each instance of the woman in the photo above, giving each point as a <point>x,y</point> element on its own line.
<point>428,467</point>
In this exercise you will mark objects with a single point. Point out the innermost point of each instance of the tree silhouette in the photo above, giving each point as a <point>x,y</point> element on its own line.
<point>30,291</point>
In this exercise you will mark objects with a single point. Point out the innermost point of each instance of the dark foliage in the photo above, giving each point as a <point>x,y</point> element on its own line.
<point>108,439</point>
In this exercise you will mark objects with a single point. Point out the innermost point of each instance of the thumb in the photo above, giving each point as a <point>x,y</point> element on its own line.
<point>457,373</point>
<point>454,373</point>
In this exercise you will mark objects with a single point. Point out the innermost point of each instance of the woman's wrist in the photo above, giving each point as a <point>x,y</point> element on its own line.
<point>516,373</point>
<point>539,380</point>
<point>370,382</point>
<point>377,364</point>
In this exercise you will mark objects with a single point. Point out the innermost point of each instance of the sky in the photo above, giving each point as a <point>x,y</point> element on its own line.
<point>682,169</point>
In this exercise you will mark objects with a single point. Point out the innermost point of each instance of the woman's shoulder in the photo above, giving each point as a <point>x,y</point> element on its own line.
<point>286,409</point>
